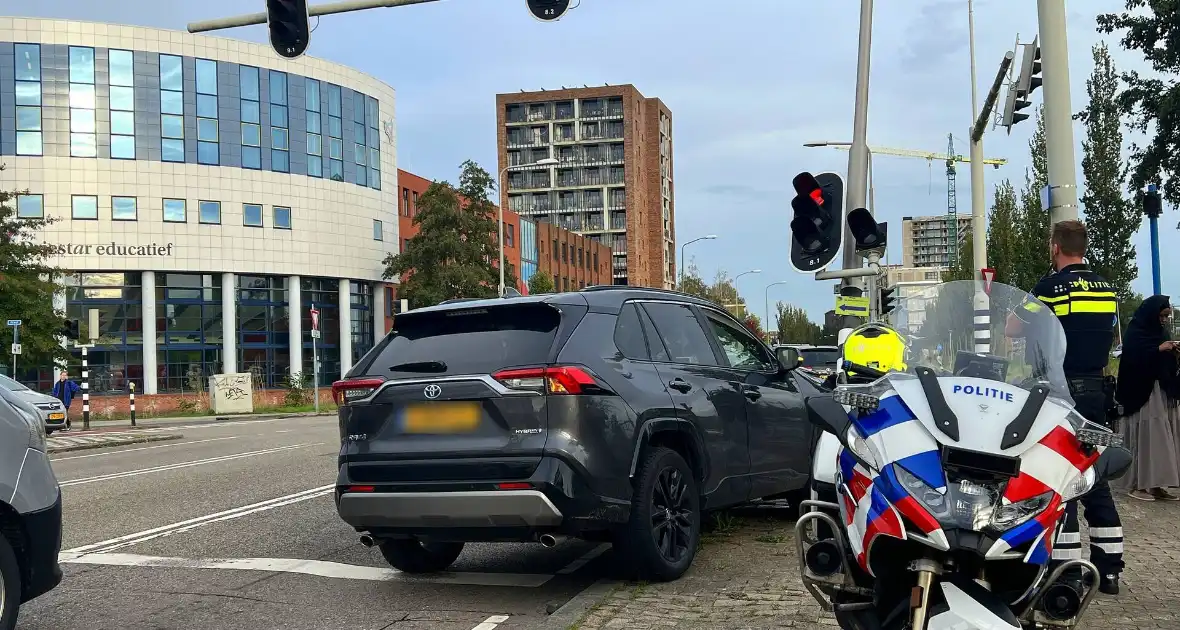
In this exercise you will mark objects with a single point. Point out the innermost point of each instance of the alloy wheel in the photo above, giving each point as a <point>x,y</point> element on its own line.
<point>671,515</point>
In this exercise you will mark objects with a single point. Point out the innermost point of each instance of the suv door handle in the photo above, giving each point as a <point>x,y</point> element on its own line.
<point>752,393</point>
<point>680,385</point>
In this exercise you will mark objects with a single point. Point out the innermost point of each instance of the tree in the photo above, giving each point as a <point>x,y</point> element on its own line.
<point>1032,254</point>
<point>28,282</point>
<point>541,282</point>
<point>794,326</point>
<point>1153,103</point>
<point>964,267</point>
<point>691,282</point>
<point>1111,219</point>
<point>1003,234</point>
<point>754,324</point>
<point>455,252</point>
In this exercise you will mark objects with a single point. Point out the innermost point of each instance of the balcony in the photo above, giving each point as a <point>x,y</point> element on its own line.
<point>564,111</point>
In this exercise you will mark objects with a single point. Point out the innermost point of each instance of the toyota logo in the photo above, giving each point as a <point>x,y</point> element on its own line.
<point>432,391</point>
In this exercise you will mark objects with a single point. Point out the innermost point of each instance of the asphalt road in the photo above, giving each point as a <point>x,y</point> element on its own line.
<point>233,526</point>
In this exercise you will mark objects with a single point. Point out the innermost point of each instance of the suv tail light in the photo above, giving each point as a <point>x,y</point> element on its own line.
<point>555,381</point>
<point>355,389</point>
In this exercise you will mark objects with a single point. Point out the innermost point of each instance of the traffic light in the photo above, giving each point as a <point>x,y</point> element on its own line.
<point>548,10</point>
<point>70,329</point>
<point>885,303</point>
<point>1152,205</point>
<point>817,230</point>
<point>869,234</point>
<point>290,28</point>
<point>1027,80</point>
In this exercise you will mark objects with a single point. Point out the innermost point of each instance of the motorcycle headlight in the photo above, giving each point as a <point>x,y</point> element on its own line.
<point>1079,485</point>
<point>937,503</point>
<point>1005,517</point>
<point>964,505</point>
<point>862,448</point>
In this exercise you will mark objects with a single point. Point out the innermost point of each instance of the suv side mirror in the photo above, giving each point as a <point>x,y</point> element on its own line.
<point>788,358</point>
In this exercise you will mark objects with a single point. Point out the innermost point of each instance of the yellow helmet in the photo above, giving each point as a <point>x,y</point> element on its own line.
<point>875,346</point>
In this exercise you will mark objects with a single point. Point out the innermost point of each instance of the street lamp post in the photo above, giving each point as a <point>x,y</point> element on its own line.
<point>504,199</point>
<point>744,273</point>
<point>700,238</point>
<point>766,301</point>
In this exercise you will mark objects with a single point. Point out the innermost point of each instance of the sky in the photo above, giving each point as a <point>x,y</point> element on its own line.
<point>747,82</point>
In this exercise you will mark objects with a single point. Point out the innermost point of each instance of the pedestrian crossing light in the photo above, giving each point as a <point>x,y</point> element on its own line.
<point>290,27</point>
<point>70,329</point>
<point>548,10</point>
<point>886,301</point>
<point>1020,91</point>
<point>817,229</point>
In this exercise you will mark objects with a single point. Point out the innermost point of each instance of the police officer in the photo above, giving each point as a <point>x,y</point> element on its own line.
<point>1085,304</point>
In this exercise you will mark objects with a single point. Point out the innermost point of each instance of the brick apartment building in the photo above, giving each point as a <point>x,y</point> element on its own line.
<point>613,180</point>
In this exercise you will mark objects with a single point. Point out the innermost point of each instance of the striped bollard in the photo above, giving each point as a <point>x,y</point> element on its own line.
<point>132,404</point>
<point>85,392</point>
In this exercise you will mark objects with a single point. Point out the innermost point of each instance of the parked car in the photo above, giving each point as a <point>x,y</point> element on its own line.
<point>612,413</point>
<point>30,510</point>
<point>49,409</point>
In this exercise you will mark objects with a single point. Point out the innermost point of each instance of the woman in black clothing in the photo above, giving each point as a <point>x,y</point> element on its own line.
<point>1149,390</point>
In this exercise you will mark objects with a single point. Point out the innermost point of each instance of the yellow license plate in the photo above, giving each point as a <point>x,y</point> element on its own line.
<point>57,416</point>
<point>442,417</point>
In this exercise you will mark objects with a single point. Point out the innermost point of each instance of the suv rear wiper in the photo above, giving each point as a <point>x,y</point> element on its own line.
<point>420,366</point>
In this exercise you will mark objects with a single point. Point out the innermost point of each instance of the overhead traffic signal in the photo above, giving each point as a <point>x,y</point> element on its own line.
<point>1020,91</point>
<point>885,302</point>
<point>290,27</point>
<point>70,329</point>
<point>869,234</point>
<point>817,229</point>
<point>548,10</point>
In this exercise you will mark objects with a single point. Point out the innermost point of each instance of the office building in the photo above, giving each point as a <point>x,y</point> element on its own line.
<point>926,240</point>
<point>208,194</point>
<point>613,181</point>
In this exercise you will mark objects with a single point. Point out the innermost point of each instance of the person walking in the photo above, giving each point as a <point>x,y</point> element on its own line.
<point>1085,304</point>
<point>1149,391</point>
<point>65,390</point>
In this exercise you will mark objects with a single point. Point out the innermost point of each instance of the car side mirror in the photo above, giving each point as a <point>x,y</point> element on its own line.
<point>828,415</point>
<point>1114,462</point>
<point>788,358</point>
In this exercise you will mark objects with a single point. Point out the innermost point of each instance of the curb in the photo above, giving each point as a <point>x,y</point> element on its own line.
<point>163,423</point>
<point>138,439</point>
<point>576,608</point>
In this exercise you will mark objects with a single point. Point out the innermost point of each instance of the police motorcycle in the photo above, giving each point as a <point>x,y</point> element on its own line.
<point>942,476</point>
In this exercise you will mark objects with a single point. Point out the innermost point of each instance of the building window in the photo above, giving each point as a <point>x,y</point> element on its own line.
<point>85,207</point>
<point>374,142</point>
<point>82,102</point>
<point>171,109</point>
<point>325,295</point>
<point>282,218</point>
<point>595,260</point>
<point>263,340</point>
<point>28,99</point>
<point>405,245</point>
<point>414,205</point>
<point>378,230</point>
<point>174,211</point>
<point>209,212</point>
<point>360,152</point>
<point>116,359</point>
<point>315,144</point>
<point>251,129</point>
<point>509,235</point>
<point>124,209</point>
<point>389,301</point>
<point>565,256</point>
<point>252,215</point>
<point>335,139</point>
<point>30,207</point>
<point>361,318</point>
<point>208,150</point>
<point>121,69</point>
<point>554,249</point>
<point>189,341</point>
<point>280,155</point>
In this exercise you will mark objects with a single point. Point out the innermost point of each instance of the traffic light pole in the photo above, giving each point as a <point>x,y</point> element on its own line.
<point>1059,150</point>
<point>858,153</point>
<point>322,9</point>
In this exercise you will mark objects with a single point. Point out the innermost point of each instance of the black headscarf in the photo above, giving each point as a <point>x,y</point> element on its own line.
<point>1142,364</point>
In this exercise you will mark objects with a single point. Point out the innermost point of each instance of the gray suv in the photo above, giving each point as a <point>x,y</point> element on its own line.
<point>30,512</point>
<point>49,409</point>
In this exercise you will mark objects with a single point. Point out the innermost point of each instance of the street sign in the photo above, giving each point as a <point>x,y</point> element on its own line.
<point>315,319</point>
<point>13,322</point>
<point>850,305</point>
<point>988,276</point>
<point>15,349</point>
<point>315,334</point>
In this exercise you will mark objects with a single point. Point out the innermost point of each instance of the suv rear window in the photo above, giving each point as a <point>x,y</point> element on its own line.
<point>467,341</point>
<point>820,357</point>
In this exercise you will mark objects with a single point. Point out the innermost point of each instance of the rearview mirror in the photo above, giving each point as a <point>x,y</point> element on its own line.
<point>1114,462</point>
<point>788,357</point>
<point>827,414</point>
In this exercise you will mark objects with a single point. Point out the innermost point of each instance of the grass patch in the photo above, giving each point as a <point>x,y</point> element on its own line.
<point>773,538</point>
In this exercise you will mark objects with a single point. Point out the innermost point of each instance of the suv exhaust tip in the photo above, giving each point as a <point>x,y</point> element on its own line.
<point>550,541</point>
<point>368,541</point>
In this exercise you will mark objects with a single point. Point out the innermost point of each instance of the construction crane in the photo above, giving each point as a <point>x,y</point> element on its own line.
<point>952,203</point>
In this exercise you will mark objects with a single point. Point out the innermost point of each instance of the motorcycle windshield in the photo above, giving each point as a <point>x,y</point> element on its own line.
<point>1001,334</point>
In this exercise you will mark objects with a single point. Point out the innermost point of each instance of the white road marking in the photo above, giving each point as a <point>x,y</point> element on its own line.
<point>177,466</point>
<point>584,559</point>
<point>142,448</point>
<point>319,568</point>
<point>491,622</point>
<point>193,523</point>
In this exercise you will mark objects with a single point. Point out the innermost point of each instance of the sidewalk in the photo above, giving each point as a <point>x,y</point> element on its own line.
<point>147,423</point>
<point>105,433</point>
<point>746,576</point>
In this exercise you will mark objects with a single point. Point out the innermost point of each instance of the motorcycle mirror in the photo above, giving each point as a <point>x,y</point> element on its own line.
<point>827,414</point>
<point>1114,462</point>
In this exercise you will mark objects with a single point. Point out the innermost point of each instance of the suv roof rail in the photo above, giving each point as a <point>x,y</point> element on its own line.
<point>627,287</point>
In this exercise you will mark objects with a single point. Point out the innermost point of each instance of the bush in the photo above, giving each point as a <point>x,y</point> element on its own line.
<point>299,390</point>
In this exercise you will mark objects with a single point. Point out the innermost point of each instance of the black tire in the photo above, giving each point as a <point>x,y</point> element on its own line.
<point>10,585</point>
<point>664,531</point>
<point>412,556</point>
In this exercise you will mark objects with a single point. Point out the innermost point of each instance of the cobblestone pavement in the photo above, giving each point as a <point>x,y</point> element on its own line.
<point>746,576</point>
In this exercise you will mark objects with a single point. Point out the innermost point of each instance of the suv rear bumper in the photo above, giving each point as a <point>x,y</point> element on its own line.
<point>459,509</point>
